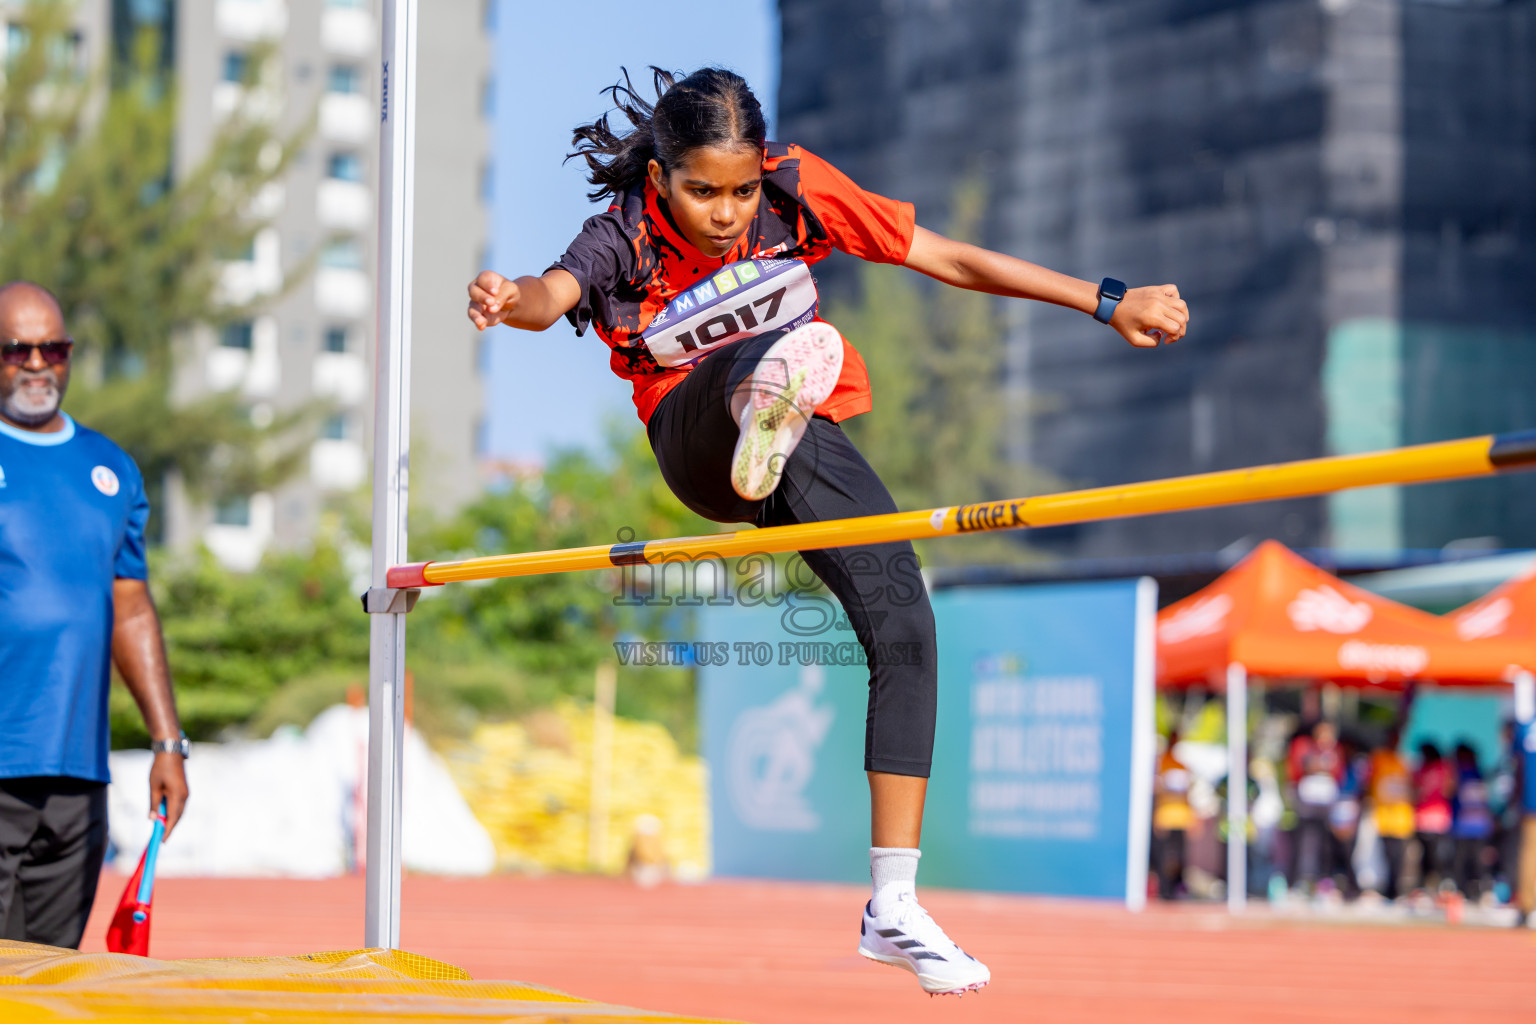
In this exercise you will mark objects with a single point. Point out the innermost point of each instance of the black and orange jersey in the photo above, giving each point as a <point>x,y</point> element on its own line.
<point>631,260</point>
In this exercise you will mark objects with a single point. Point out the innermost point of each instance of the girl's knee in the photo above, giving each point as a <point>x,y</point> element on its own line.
<point>913,620</point>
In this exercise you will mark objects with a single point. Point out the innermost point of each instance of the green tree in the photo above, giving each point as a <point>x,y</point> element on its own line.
<point>936,366</point>
<point>254,651</point>
<point>91,208</point>
<point>236,640</point>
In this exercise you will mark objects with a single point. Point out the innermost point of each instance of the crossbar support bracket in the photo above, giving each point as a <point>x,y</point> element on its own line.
<point>390,600</point>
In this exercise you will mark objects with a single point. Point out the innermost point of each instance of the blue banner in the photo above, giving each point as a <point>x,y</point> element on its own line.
<point>1042,763</point>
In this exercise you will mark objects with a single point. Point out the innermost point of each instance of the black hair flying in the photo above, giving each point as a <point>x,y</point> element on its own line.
<point>711,107</point>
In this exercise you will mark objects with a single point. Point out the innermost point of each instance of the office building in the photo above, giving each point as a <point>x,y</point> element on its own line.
<point>310,343</point>
<point>1344,190</point>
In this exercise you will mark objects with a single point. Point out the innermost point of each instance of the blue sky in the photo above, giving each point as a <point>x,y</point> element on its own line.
<point>554,389</point>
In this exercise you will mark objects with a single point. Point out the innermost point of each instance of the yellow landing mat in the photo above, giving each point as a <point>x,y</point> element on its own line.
<point>44,984</point>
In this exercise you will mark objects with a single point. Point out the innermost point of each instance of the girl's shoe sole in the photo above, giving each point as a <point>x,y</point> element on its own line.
<point>924,981</point>
<point>795,375</point>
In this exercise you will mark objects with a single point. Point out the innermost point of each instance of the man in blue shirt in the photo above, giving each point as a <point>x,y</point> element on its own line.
<point>73,599</point>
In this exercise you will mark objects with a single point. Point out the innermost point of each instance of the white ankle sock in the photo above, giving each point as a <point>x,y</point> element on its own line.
<point>893,870</point>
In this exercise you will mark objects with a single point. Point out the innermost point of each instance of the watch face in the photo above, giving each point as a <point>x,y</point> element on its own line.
<point>1112,289</point>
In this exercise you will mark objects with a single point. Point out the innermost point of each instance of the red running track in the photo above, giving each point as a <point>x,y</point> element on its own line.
<point>783,953</point>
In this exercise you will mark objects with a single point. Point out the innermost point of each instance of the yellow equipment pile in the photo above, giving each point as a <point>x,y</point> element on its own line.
<point>530,784</point>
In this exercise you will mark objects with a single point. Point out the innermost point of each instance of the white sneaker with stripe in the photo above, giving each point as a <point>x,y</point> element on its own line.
<point>906,937</point>
<point>794,376</point>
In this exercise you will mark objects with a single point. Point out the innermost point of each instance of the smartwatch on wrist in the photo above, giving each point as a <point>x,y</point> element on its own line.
<point>180,746</point>
<point>1110,294</point>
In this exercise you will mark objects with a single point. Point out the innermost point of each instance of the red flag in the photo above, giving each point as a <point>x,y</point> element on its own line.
<point>129,930</point>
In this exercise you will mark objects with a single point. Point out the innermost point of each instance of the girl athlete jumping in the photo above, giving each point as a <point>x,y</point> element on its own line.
<point>695,277</point>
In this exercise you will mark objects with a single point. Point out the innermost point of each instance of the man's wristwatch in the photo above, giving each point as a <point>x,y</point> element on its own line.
<point>180,746</point>
<point>1110,294</point>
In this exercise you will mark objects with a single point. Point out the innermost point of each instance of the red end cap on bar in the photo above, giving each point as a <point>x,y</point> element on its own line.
<point>412,574</point>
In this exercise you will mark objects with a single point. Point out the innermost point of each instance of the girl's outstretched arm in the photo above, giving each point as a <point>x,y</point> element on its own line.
<point>1154,308</point>
<point>532,303</point>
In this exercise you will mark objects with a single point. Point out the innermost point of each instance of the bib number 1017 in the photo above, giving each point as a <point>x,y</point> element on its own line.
<point>740,321</point>
<point>742,300</point>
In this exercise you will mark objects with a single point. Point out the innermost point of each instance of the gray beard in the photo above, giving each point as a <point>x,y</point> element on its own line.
<point>35,412</point>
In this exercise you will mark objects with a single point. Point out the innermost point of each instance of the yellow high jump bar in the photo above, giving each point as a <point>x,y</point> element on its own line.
<point>1444,460</point>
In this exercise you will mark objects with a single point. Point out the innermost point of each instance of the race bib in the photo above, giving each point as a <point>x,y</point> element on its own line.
<point>1318,789</point>
<point>740,300</point>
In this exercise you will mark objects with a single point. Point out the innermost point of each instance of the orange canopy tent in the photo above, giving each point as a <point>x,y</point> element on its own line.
<point>1506,613</point>
<point>1278,615</point>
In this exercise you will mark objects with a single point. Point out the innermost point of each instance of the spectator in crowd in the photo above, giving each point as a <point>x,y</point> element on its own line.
<point>1297,746</point>
<point>1525,888</point>
<point>1171,819</point>
<point>1390,786</point>
<point>1504,800</point>
<point>1344,817</point>
<point>1471,822</point>
<point>73,599</point>
<point>1433,784</point>
<point>1300,744</point>
<point>1317,773</point>
<point>1256,879</point>
<point>1265,815</point>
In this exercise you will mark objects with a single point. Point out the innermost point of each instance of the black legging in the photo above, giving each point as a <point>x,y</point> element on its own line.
<point>1393,849</point>
<point>1467,865</point>
<point>878,585</point>
<point>1168,861</point>
<point>1433,858</point>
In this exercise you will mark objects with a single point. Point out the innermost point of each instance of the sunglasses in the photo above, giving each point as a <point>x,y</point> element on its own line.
<point>19,353</point>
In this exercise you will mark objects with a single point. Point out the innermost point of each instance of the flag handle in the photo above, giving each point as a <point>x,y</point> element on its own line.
<point>147,882</point>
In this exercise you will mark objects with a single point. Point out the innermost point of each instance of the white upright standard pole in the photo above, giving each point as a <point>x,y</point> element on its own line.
<point>391,465</point>
<point>1143,743</point>
<point>1237,788</point>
